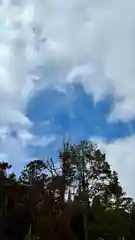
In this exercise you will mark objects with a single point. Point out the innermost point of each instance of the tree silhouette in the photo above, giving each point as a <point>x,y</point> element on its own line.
<point>77,197</point>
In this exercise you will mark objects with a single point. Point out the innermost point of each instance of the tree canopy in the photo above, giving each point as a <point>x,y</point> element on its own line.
<point>77,197</point>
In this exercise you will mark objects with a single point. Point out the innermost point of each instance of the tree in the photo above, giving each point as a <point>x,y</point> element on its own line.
<point>78,198</point>
<point>34,171</point>
<point>90,170</point>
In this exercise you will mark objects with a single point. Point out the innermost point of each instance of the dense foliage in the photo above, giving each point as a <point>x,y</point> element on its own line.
<point>76,197</point>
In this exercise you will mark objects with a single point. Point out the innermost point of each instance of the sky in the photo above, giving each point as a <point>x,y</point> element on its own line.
<point>67,69</point>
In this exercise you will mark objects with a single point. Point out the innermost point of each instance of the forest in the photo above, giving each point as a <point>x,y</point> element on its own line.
<point>76,196</point>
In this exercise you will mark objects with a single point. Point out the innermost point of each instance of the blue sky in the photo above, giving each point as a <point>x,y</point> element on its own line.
<point>67,70</point>
<point>78,117</point>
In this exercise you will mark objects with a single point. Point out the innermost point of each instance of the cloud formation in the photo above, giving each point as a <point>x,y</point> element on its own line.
<point>92,42</point>
<point>84,41</point>
<point>55,43</point>
<point>121,155</point>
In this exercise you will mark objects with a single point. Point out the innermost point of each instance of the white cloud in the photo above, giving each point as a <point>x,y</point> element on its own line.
<point>12,150</point>
<point>93,35</point>
<point>14,146</point>
<point>44,141</point>
<point>76,38</point>
<point>27,138</point>
<point>121,155</point>
<point>91,42</point>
